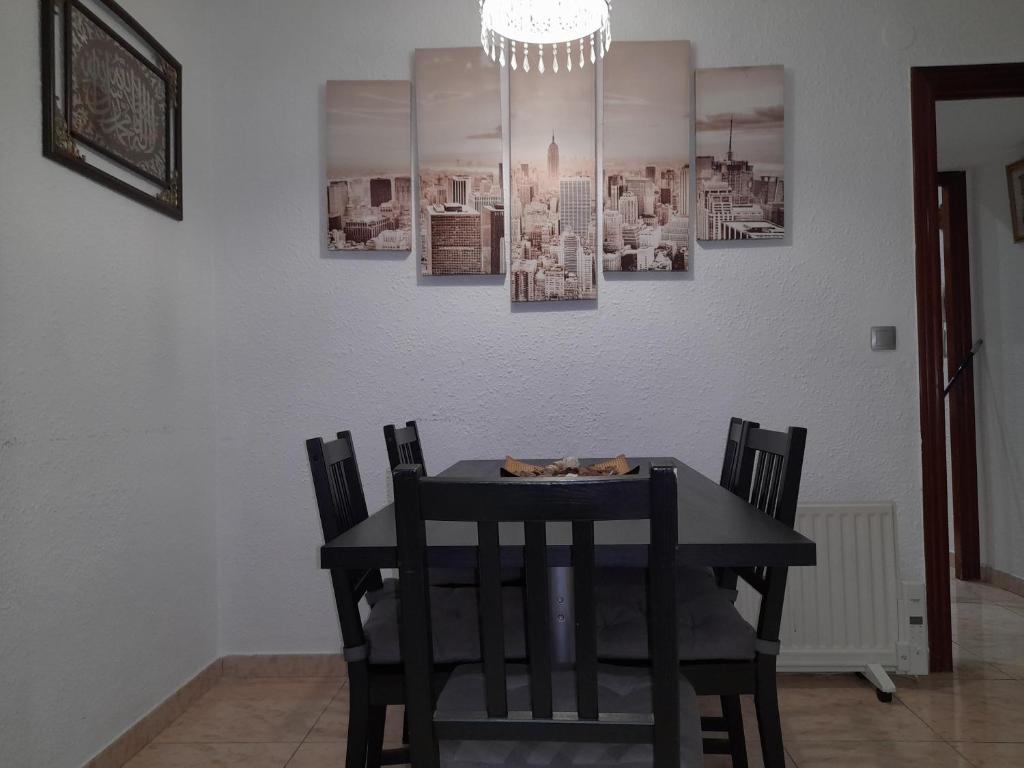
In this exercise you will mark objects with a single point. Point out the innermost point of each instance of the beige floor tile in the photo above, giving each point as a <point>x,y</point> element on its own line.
<point>393,727</point>
<point>1016,671</point>
<point>827,714</point>
<point>319,755</point>
<point>877,754</point>
<point>213,756</point>
<point>839,680</point>
<point>254,710</point>
<point>979,592</point>
<point>982,620</point>
<point>332,725</point>
<point>971,710</point>
<point>966,666</point>
<point>992,755</point>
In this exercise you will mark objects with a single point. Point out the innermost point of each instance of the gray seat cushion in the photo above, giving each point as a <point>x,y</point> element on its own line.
<point>455,622</point>
<point>620,690</point>
<point>709,626</point>
<point>691,581</point>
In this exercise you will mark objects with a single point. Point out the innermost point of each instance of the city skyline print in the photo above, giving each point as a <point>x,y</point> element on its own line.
<point>459,149</point>
<point>740,164</point>
<point>553,151</point>
<point>646,174</point>
<point>369,157</point>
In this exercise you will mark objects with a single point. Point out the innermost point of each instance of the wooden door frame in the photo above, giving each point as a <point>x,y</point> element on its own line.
<point>959,342</point>
<point>929,85</point>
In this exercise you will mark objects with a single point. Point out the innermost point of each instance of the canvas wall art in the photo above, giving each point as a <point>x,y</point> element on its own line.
<point>553,185</point>
<point>646,174</point>
<point>459,149</point>
<point>740,158</point>
<point>369,156</point>
<point>112,102</point>
<point>1015,180</point>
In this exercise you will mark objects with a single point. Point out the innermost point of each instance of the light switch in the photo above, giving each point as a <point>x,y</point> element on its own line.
<point>883,337</point>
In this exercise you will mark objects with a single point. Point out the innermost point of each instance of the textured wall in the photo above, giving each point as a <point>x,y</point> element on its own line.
<point>107,570</point>
<point>998,285</point>
<point>310,343</point>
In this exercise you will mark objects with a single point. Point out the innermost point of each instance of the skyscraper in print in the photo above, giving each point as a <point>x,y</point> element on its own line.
<point>458,120</point>
<point>646,211</point>
<point>552,211</point>
<point>740,156</point>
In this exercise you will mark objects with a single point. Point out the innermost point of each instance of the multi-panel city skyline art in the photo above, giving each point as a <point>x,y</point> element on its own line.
<point>646,210</point>
<point>549,219</point>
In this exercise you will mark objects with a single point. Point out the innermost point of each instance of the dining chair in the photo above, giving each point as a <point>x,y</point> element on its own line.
<point>768,476</point>
<point>733,466</point>
<point>722,654</point>
<point>404,447</point>
<point>513,715</point>
<point>403,444</point>
<point>371,648</point>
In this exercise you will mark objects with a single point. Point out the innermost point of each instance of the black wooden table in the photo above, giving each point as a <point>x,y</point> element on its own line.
<point>716,528</point>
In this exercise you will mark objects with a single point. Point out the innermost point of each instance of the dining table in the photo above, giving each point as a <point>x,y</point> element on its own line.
<point>716,529</point>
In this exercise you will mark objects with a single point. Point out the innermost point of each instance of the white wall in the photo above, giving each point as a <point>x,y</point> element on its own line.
<point>997,266</point>
<point>309,343</point>
<point>107,567</point>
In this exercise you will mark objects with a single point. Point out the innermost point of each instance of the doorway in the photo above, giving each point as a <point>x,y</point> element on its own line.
<point>930,85</point>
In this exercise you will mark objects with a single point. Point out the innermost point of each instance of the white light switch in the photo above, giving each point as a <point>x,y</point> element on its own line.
<point>883,337</point>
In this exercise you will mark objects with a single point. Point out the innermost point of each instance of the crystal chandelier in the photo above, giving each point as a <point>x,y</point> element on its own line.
<point>573,29</point>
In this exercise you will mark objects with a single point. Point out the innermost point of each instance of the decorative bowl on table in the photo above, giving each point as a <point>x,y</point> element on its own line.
<point>568,467</point>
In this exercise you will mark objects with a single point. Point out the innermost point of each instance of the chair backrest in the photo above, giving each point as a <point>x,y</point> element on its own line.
<point>772,484</point>
<point>733,466</point>
<point>534,503</point>
<point>340,500</point>
<point>404,445</point>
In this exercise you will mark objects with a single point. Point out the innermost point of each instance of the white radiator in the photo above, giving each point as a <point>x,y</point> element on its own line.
<point>843,614</point>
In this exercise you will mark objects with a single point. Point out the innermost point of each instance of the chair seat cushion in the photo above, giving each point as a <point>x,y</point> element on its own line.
<point>709,626</point>
<point>621,690</point>
<point>691,580</point>
<point>455,622</point>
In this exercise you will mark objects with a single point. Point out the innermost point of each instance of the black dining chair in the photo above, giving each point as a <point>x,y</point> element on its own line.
<point>403,444</point>
<point>720,652</point>
<point>372,686</point>
<point>498,714</point>
<point>371,648</point>
<point>768,476</point>
<point>732,465</point>
<point>404,447</point>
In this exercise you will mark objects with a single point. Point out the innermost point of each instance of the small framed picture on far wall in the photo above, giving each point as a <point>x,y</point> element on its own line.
<point>1015,180</point>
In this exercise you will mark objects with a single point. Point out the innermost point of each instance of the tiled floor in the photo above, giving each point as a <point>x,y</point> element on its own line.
<point>971,717</point>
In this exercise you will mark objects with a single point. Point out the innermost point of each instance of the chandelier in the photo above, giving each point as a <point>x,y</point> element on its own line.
<point>573,29</point>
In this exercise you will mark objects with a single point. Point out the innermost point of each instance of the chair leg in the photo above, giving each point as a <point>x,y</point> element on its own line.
<point>769,722</point>
<point>359,713</point>
<point>375,736</point>
<point>733,714</point>
<point>405,727</point>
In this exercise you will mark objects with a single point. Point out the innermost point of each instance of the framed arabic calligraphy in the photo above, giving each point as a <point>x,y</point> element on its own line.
<point>112,101</point>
